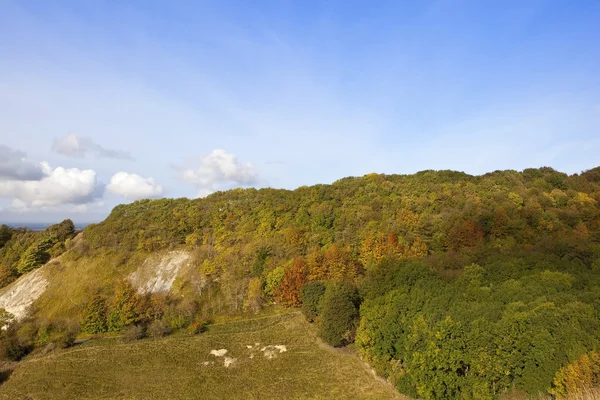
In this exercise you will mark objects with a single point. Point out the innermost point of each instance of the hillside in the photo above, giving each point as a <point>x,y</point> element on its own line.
<point>183,368</point>
<point>450,285</point>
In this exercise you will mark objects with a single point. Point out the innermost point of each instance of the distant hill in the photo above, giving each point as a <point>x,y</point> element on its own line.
<point>38,226</point>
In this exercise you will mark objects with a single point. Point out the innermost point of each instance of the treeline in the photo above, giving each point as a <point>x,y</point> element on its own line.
<point>508,322</point>
<point>23,250</point>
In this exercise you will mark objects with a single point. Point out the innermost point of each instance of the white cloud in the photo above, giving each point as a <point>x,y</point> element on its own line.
<point>59,186</point>
<point>78,146</point>
<point>219,170</point>
<point>15,166</point>
<point>134,187</point>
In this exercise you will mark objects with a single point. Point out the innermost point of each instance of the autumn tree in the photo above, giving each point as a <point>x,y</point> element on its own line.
<point>574,378</point>
<point>254,297</point>
<point>288,292</point>
<point>123,310</point>
<point>94,316</point>
<point>465,233</point>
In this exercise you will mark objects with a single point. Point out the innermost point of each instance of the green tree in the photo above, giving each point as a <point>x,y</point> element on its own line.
<point>338,314</point>
<point>310,296</point>
<point>36,255</point>
<point>5,235</point>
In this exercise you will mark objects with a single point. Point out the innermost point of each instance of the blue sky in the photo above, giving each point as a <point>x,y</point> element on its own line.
<point>106,102</point>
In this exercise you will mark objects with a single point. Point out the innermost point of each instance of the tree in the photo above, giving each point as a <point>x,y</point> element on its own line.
<point>36,255</point>
<point>6,318</point>
<point>288,292</point>
<point>63,231</point>
<point>338,314</point>
<point>310,296</point>
<point>123,311</point>
<point>254,299</point>
<point>584,373</point>
<point>94,316</point>
<point>436,363</point>
<point>5,235</point>
<point>465,233</point>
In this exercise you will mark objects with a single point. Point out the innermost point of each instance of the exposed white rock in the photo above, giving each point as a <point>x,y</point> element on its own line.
<point>218,353</point>
<point>271,351</point>
<point>158,273</point>
<point>227,361</point>
<point>17,298</point>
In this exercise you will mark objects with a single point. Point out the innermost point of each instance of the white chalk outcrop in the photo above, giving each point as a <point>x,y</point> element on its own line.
<point>158,273</point>
<point>20,295</point>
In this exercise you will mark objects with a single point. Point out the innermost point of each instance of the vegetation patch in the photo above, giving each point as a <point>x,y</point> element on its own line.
<point>181,367</point>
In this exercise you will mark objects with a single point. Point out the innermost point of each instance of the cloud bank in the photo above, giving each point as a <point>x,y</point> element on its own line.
<point>79,147</point>
<point>59,186</point>
<point>15,166</point>
<point>134,187</point>
<point>219,170</point>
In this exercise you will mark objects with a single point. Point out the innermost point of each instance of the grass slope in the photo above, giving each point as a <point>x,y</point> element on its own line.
<point>174,368</point>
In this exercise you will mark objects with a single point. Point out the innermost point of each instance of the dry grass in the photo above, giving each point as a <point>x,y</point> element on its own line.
<point>174,368</point>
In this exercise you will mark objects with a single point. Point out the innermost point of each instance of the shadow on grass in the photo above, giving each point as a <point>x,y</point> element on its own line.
<point>4,375</point>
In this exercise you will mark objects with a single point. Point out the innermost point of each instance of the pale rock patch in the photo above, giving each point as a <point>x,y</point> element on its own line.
<point>227,361</point>
<point>271,351</point>
<point>218,353</point>
<point>19,296</point>
<point>158,273</point>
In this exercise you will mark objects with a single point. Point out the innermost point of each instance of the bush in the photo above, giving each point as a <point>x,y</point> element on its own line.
<point>158,329</point>
<point>11,347</point>
<point>195,328</point>
<point>338,314</point>
<point>311,296</point>
<point>66,339</point>
<point>133,333</point>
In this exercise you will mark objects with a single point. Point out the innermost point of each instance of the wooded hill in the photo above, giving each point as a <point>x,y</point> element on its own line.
<point>451,285</point>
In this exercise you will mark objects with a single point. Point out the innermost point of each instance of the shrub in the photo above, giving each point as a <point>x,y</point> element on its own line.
<point>11,347</point>
<point>158,329</point>
<point>133,333</point>
<point>66,339</point>
<point>195,328</point>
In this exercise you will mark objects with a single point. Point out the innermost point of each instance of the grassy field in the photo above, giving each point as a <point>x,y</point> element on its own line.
<point>182,368</point>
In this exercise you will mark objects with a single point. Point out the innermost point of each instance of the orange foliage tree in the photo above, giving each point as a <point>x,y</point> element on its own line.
<point>288,292</point>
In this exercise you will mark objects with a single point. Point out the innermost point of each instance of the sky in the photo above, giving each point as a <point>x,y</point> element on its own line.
<point>108,102</point>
